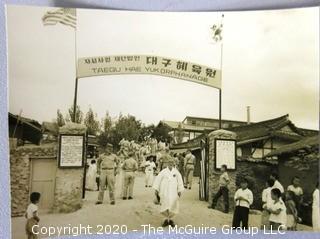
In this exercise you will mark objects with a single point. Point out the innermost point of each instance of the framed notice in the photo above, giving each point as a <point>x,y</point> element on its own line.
<point>71,151</point>
<point>225,153</point>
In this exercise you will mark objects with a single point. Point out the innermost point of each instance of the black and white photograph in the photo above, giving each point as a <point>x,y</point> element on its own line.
<point>139,121</point>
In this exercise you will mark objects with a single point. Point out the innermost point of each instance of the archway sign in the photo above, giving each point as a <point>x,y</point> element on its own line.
<point>148,64</point>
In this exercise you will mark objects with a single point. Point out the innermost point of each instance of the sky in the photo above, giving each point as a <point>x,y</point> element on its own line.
<point>270,62</point>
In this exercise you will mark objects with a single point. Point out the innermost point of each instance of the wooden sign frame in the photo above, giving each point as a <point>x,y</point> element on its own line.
<point>60,165</point>
<point>229,168</point>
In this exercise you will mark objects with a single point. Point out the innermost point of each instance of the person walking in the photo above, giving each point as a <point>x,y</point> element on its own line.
<point>190,161</point>
<point>163,158</point>
<point>149,171</point>
<point>107,168</point>
<point>223,191</point>
<point>130,166</point>
<point>168,187</point>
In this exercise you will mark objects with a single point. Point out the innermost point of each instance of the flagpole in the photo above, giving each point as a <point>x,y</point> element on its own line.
<point>220,89</point>
<point>76,80</point>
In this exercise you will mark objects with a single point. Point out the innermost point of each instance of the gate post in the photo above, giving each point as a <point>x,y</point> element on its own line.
<point>71,162</point>
<point>213,174</point>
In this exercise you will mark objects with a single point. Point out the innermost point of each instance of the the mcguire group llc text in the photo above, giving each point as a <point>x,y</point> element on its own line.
<point>149,230</point>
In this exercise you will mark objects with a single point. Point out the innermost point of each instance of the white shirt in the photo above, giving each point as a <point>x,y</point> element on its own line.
<point>296,190</point>
<point>247,194</point>
<point>282,216</point>
<point>31,209</point>
<point>266,196</point>
<point>224,180</point>
<point>278,185</point>
<point>150,166</point>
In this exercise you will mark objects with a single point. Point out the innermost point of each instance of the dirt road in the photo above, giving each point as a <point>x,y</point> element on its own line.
<point>134,213</point>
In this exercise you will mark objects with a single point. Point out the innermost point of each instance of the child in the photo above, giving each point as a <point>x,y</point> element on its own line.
<point>32,215</point>
<point>266,200</point>
<point>223,190</point>
<point>292,213</point>
<point>297,195</point>
<point>277,210</point>
<point>315,209</point>
<point>149,170</point>
<point>243,199</point>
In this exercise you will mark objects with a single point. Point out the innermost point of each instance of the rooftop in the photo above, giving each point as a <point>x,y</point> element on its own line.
<point>213,119</point>
<point>268,128</point>
<point>306,143</point>
<point>187,127</point>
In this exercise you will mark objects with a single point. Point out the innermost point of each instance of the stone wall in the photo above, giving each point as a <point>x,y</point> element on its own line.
<point>68,184</point>
<point>68,191</point>
<point>20,173</point>
<point>69,181</point>
<point>214,174</point>
<point>255,172</point>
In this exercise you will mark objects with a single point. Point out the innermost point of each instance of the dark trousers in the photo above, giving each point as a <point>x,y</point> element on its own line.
<point>241,215</point>
<point>98,183</point>
<point>224,192</point>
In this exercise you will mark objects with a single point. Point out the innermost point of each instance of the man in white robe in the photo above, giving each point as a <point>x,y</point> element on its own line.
<point>168,186</point>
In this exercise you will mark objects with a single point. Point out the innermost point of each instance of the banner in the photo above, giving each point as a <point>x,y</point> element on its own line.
<point>145,64</point>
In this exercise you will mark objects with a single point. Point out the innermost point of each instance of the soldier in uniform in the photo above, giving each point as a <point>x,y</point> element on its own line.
<point>164,158</point>
<point>190,161</point>
<point>129,167</point>
<point>107,168</point>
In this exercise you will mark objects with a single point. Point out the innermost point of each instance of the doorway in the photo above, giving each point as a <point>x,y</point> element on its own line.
<point>42,180</point>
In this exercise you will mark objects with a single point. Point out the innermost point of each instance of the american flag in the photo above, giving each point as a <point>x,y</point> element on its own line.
<point>66,16</point>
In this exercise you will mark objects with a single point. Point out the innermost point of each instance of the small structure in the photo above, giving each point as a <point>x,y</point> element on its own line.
<point>23,131</point>
<point>192,127</point>
<point>50,131</point>
<point>39,168</point>
<point>254,142</point>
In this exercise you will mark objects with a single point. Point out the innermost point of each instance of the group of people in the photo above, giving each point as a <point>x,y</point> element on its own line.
<point>173,174</point>
<point>280,208</point>
<point>164,172</point>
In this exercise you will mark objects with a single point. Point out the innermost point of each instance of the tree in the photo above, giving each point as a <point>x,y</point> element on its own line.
<point>107,124</point>
<point>79,115</point>
<point>92,124</point>
<point>60,119</point>
<point>127,127</point>
<point>161,132</point>
<point>106,133</point>
<point>146,132</point>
